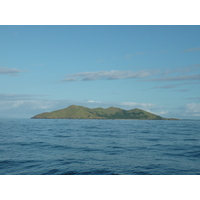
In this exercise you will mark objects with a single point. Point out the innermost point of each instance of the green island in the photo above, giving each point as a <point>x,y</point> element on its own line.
<point>80,112</point>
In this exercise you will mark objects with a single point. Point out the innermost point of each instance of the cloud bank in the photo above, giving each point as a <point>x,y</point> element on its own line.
<point>23,105</point>
<point>9,71</point>
<point>192,109</point>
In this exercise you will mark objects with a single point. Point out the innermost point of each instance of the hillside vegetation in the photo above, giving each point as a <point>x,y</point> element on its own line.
<point>80,112</point>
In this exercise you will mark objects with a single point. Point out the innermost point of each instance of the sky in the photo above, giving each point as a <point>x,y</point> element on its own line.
<point>154,68</point>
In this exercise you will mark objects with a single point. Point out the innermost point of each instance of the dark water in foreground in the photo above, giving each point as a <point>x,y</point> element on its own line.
<point>127,147</point>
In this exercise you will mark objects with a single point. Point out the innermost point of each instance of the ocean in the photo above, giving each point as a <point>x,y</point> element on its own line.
<point>99,147</point>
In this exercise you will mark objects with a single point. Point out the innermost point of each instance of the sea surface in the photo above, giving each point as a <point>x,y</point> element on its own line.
<point>99,147</point>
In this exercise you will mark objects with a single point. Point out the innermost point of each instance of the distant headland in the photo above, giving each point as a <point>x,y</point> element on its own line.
<point>80,112</point>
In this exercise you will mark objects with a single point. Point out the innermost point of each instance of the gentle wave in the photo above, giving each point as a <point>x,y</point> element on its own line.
<point>99,147</point>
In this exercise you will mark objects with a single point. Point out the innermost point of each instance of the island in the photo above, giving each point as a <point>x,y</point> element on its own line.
<point>80,112</point>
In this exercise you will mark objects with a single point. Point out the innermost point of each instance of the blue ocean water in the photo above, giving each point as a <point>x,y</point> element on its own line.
<point>99,147</point>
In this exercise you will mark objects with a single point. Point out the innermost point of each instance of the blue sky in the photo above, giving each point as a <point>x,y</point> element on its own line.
<point>45,68</point>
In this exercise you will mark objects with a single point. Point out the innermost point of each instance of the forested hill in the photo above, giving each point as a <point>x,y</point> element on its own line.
<point>80,112</point>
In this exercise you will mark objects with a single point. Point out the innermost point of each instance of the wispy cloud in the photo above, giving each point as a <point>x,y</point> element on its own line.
<point>140,105</point>
<point>100,61</point>
<point>17,97</point>
<point>178,78</point>
<point>124,105</point>
<point>10,71</point>
<point>195,98</point>
<point>15,33</point>
<point>92,101</point>
<point>109,75</point>
<point>162,75</point>
<point>182,69</point>
<point>182,74</point>
<point>8,101</point>
<point>171,86</point>
<point>150,107</point>
<point>182,90</point>
<point>135,54</point>
<point>37,64</point>
<point>192,49</point>
<point>164,87</point>
<point>24,105</point>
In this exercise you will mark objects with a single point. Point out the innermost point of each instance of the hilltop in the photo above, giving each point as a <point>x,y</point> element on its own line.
<point>80,112</point>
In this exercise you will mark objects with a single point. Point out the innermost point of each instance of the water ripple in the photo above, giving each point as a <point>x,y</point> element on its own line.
<point>99,147</point>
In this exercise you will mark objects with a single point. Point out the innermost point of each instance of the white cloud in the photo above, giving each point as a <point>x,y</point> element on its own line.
<point>91,101</point>
<point>134,104</point>
<point>109,75</point>
<point>193,108</point>
<point>124,105</point>
<point>162,113</point>
<point>150,107</point>
<point>189,111</point>
<point>9,71</point>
